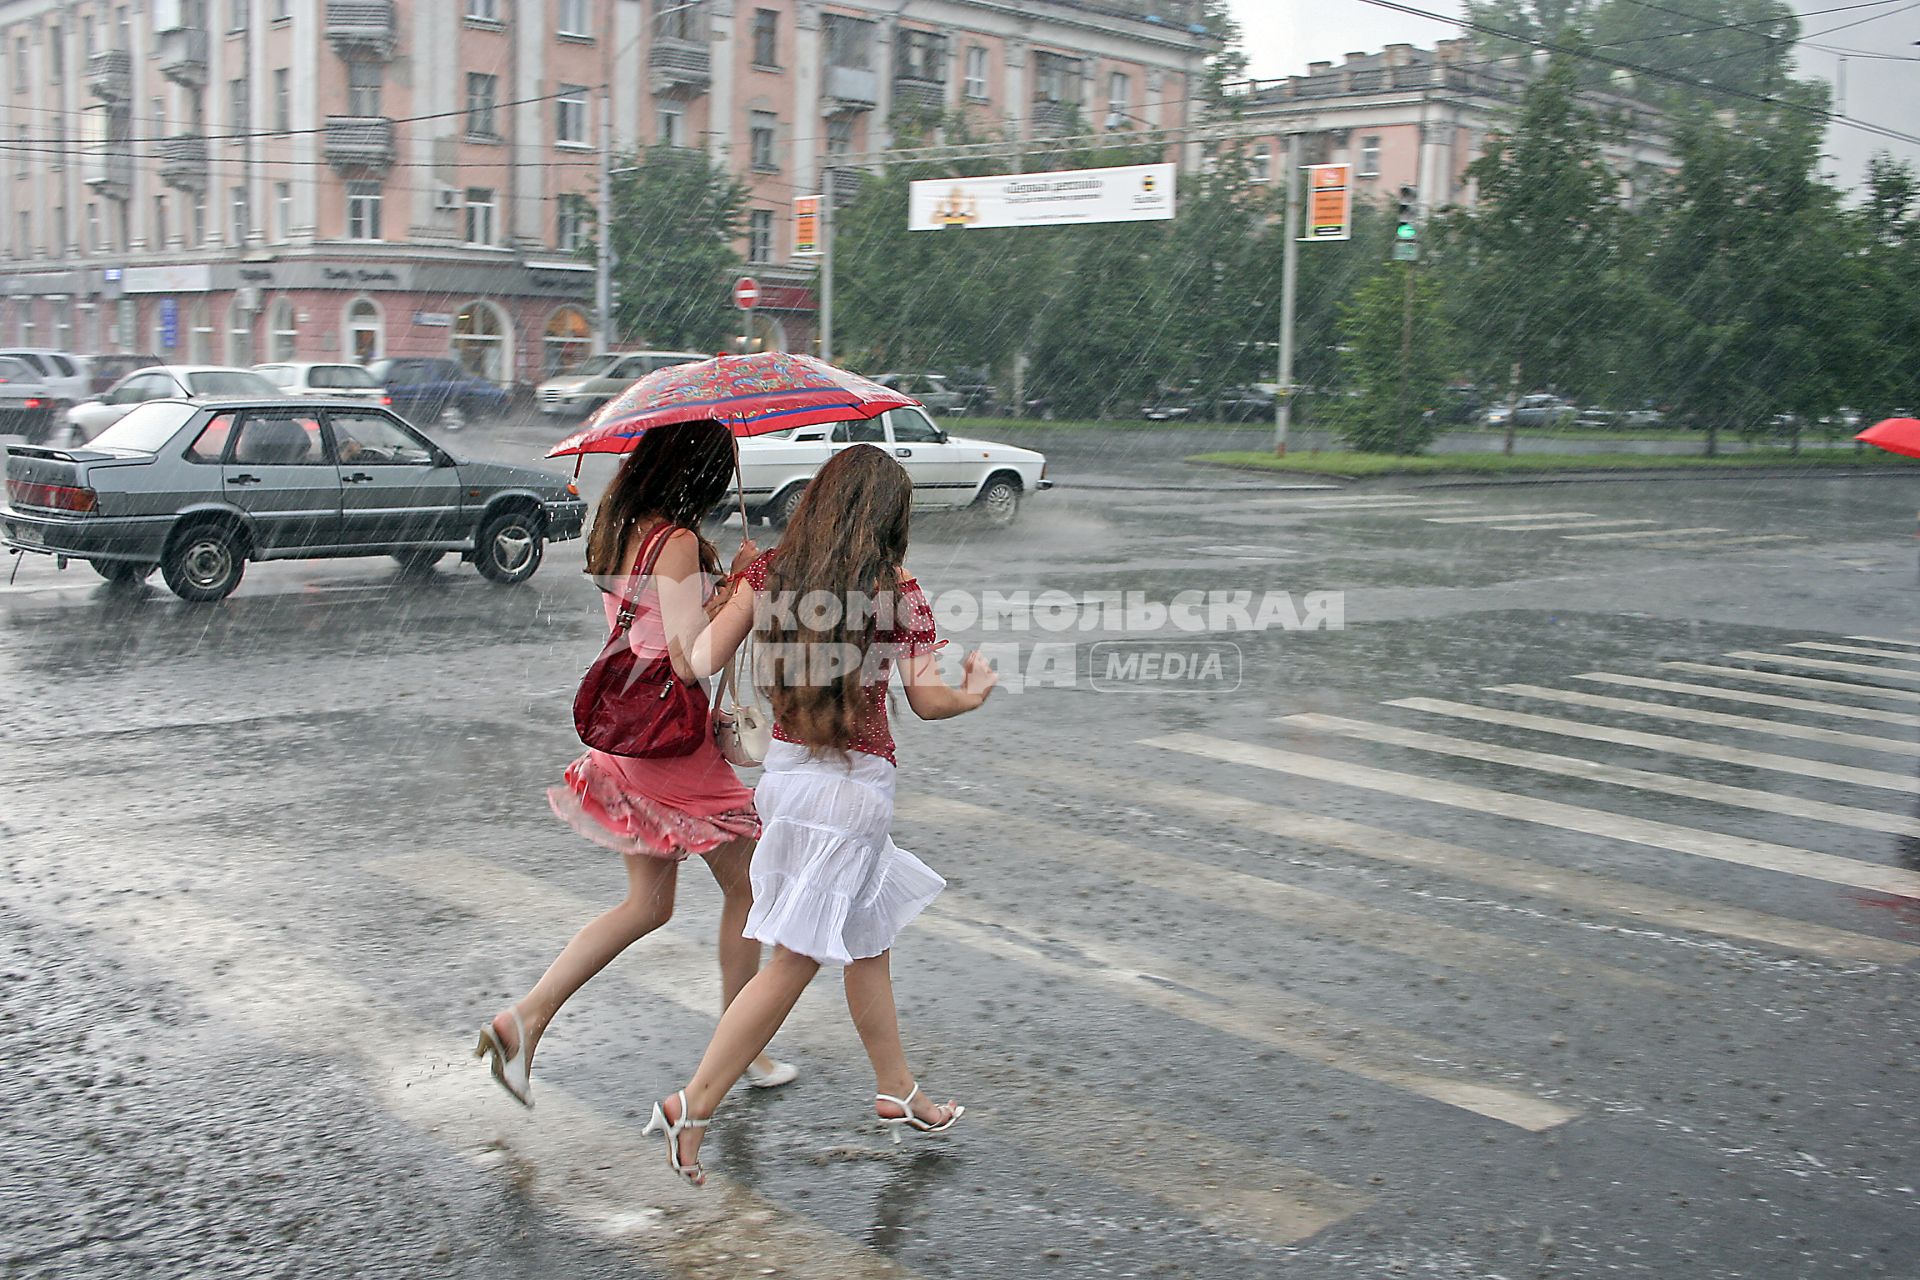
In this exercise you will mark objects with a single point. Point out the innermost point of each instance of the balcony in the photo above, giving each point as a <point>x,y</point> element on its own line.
<point>183,161</point>
<point>680,66</point>
<point>851,89</point>
<point>362,29</point>
<point>359,146</point>
<point>919,94</point>
<point>183,56</point>
<point>1055,119</point>
<point>108,169</point>
<point>110,75</point>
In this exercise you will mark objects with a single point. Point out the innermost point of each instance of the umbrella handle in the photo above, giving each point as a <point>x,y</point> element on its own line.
<point>740,490</point>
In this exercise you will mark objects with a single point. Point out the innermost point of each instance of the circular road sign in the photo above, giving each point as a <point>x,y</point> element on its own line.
<point>746,293</point>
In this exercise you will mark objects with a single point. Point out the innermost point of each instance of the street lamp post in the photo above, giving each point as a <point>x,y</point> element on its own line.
<point>1289,277</point>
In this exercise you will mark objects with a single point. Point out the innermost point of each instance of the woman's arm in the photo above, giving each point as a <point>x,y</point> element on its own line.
<point>932,698</point>
<point>699,646</point>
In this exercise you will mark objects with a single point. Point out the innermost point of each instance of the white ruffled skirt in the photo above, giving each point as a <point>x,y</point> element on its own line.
<point>828,880</point>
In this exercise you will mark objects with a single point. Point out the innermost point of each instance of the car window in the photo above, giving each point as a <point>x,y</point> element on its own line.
<point>865,431</point>
<point>211,444</point>
<point>143,387</point>
<point>279,438</point>
<point>339,375</point>
<point>374,439</point>
<point>635,367</point>
<point>280,375</point>
<point>910,426</point>
<point>229,382</point>
<point>591,367</point>
<point>667,362</point>
<point>39,366</point>
<point>12,370</point>
<point>66,367</point>
<point>146,429</point>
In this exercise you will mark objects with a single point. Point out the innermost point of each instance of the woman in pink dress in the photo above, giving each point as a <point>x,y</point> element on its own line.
<point>655,812</point>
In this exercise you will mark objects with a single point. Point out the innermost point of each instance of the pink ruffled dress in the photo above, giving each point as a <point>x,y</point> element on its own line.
<point>666,808</point>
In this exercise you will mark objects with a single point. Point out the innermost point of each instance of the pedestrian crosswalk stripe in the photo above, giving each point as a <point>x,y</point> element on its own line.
<point>1718,719</point>
<point>1613,775</point>
<point>1633,533</point>
<point>1300,1028</point>
<point>1668,743</point>
<point>1822,664</point>
<point>1752,540</point>
<point>1278,1203</point>
<point>1885,640</point>
<point>1716,692</point>
<point>578,1161</point>
<point>1357,501</point>
<point>1538,515</point>
<point>1759,854</point>
<point>1823,647</point>
<point>1589,890</point>
<point>1570,524</point>
<point>1382,930</point>
<point>1799,682</point>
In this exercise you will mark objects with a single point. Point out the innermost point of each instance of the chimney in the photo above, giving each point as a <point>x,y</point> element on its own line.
<point>1319,68</point>
<point>1355,57</point>
<point>1399,55</point>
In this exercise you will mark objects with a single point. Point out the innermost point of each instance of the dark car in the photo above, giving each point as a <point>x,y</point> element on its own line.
<point>1174,404</point>
<point>200,489</point>
<point>1242,404</point>
<point>104,371</point>
<point>978,395</point>
<point>427,389</point>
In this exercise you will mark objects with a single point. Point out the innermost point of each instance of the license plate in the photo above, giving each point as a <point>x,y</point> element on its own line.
<point>26,535</point>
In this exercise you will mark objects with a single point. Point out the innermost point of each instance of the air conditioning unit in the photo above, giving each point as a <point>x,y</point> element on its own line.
<point>445,200</point>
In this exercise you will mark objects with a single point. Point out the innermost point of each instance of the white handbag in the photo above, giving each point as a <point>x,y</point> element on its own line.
<point>742,729</point>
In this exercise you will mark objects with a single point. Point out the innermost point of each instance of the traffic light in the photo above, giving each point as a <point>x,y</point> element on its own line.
<point>1404,229</point>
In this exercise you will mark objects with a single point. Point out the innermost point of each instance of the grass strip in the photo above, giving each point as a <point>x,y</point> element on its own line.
<point>1359,465</point>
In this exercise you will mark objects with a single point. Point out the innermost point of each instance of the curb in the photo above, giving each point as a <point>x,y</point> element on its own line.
<point>1420,481</point>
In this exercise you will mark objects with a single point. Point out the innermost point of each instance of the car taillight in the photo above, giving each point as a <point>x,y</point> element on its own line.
<point>387,400</point>
<point>35,402</point>
<point>56,497</point>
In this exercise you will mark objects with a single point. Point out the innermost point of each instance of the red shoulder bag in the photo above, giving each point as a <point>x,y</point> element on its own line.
<point>629,705</point>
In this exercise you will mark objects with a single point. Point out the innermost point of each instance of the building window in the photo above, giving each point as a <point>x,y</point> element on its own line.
<point>159,222</point>
<point>569,338</point>
<point>58,128</point>
<point>1260,166</point>
<point>282,336</point>
<point>282,10</point>
<point>363,330</point>
<point>672,127</point>
<point>363,211</point>
<point>484,10</point>
<point>571,218</point>
<point>480,341</point>
<point>766,38</point>
<point>761,136</point>
<point>363,88</point>
<point>237,15</point>
<point>1370,156</point>
<point>199,332</point>
<point>56,55</point>
<point>839,135</point>
<point>237,110</point>
<point>241,223</point>
<point>676,19</point>
<point>570,119</point>
<point>576,18</point>
<point>63,324</point>
<point>480,215</point>
<point>88,45</point>
<point>920,55</point>
<point>1119,93</point>
<point>199,219</point>
<point>96,232</point>
<point>20,65</point>
<point>760,235</point>
<point>849,41</point>
<point>483,92</point>
<point>239,333</point>
<point>282,211</point>
<point>1056,78</point>
<point>282,101</point>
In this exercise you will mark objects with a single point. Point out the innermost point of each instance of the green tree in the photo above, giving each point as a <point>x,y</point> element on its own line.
<point>676,217</point>
<point>1392,382</point>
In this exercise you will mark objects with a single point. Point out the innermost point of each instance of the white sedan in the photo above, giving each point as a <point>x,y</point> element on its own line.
<point>333,380</point>
<point>948,471</point>
<point>195,382</point>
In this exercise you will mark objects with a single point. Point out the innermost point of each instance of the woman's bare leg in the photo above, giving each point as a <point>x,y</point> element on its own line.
<point>739,954</point>
<point>870,1001</point>
<point>647,906</point>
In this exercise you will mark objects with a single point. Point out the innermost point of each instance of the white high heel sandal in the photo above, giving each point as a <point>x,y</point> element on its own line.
<point>511,1072</point>
<point>694,1172</point>
<point>782,1073</point>
<point>910,1120</point>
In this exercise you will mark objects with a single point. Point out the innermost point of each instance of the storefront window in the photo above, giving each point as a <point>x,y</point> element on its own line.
<point>284,337</point>
<point>239,335</point>
<point>199,333</point>
<point>363,330</point>
<point>480,340</point>
<point>569,337</point>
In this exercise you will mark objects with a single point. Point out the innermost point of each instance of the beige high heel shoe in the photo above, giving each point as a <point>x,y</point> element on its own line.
<point>694,1172</point>
<point>912,1121</point>
<point>511,1072</point>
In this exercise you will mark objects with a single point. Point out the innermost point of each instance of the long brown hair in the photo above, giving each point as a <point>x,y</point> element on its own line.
<point>677,474</point>
<point>847,538</point>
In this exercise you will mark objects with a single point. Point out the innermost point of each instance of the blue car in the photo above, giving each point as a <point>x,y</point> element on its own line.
<point>426,390</point>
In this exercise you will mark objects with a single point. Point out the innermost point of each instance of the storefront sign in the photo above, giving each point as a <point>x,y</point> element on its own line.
<point>432,319</point>
<point>1130,193</point>
<point>169,323</point>
<point>192,277</point>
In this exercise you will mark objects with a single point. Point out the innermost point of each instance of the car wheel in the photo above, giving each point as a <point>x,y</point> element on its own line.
<point>999,502</point>
<point>418,561</point>
<point>509,548</point>
<point>122,572</point>
<point>781,511</point>
<point>204,563</point>
<point>452,417</point>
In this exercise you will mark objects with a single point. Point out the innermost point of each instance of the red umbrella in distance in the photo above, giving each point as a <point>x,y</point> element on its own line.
<point>1895,435</point>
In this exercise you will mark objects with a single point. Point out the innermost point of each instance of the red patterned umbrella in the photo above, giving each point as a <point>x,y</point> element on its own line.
<point>753,395</point>
<point>1895,435</point>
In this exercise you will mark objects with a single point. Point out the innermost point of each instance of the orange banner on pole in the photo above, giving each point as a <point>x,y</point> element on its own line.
<point>1329,202</point>
<point>806,226</point>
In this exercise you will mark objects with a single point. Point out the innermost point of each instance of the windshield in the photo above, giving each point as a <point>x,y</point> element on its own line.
<point>229,382</point>
<point>146,428</point>
<point>340,375</point>
<point>590,366</point>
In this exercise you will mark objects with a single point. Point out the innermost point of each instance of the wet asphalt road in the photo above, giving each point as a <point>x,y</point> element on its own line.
<point>1296,978</point>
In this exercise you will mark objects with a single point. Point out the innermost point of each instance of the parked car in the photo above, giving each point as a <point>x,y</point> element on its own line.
<point>1460,404</point>
<point>947,471</point>
<point>1241,404</point>
<point>930,389</point>
<point>104,371</point>
<point>979,397</point>
<point>199,382</point>
<point>427,389</point>
<point>1173,404</point>
<point>582,389</point>
<point>1542,410</point>
<point>313,378</point>
<point>63,374</point>
<point>201,489</point>
<point>26,403</point>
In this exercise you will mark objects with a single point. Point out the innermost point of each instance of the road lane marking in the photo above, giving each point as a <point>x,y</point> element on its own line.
<point>1301,1028</point>
<point>1823,647</point>
<point>1355,501</point>
<point>576,1160</point>
<point>1613,775</point>
<point>1571,524</point>
<point>1728,542</point>
<point>1518,515</point>
<point>1717,719</point>
<point>1739,850</point>
<point>1885,640</point>
<point>1798,682</point>
<point>1875,714</point>
<point>1589,890</point>
<point>1392,931</point>
<point>1666,743</point>
<point>1633,533</point>
<point>1822,664</point>
<point>1276,1202</point>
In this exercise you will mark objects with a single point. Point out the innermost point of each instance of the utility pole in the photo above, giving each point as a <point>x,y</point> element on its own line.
<point>1289,278</point>
<point>1406,249</point>
<point>603,233</point>
<point>826,265</point>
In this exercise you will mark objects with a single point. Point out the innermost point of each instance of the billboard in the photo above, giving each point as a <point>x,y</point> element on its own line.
<point>1329,202</point>
<point>806,226</point>
<point>1129,193</point>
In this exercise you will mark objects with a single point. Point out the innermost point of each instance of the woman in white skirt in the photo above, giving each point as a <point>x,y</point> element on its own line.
<point>829,884</point>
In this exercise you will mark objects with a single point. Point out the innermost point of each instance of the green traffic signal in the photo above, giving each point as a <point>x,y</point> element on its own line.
<point>1406,231</point>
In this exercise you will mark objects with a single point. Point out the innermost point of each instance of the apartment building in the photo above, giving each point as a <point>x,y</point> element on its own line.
<point>239,180</point>
<point>1409,117</point>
